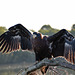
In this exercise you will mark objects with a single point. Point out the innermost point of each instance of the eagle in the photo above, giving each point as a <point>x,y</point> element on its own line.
<point>18,37</point>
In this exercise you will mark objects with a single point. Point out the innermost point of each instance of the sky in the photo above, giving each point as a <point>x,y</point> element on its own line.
<point>33,14</point>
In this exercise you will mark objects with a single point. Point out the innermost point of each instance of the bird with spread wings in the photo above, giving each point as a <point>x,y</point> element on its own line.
<point>18,37</point>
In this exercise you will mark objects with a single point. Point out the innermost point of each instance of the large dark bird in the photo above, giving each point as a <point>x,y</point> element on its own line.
<point>18,37</point>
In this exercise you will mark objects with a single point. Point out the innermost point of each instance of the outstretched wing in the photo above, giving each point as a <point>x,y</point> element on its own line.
<point>59,34</point>
<point>69,51</point>
<point>15,38</point>
<point>60,47</point>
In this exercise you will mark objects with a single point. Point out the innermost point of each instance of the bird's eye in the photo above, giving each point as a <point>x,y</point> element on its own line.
<point>34,36</point>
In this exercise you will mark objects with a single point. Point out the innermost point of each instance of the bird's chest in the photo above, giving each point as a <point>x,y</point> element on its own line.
<point>38,45</point>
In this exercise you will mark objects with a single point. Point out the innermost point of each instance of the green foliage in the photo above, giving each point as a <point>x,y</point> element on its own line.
<point>48,30</point>
<point>73,29</point>
<point>32,30</point>
<point>45,27</point>
<point>2,30</point>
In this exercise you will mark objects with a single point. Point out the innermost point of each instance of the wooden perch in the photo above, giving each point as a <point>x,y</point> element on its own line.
<point>58,61</point>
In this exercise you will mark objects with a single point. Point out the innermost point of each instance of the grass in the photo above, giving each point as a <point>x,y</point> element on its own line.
<point>12,69</point>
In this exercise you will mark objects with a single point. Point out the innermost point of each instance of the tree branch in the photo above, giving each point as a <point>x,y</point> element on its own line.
<point>58,61</point>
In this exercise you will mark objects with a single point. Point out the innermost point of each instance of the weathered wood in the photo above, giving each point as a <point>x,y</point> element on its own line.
<point>58,61</point>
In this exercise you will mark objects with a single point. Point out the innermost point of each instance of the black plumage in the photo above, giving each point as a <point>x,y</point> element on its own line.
<point>69,51</point>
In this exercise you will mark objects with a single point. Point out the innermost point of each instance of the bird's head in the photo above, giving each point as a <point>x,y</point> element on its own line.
<point>37,35</point>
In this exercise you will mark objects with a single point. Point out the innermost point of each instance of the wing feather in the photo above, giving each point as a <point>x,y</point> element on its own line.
<point>63,44</point>
<point>8,49</point>
<point>15,38</point>
<point>5,48</point>
<point>69,51</point>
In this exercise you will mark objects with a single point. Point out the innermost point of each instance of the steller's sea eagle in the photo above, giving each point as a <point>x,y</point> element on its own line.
<point>18,37</point>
